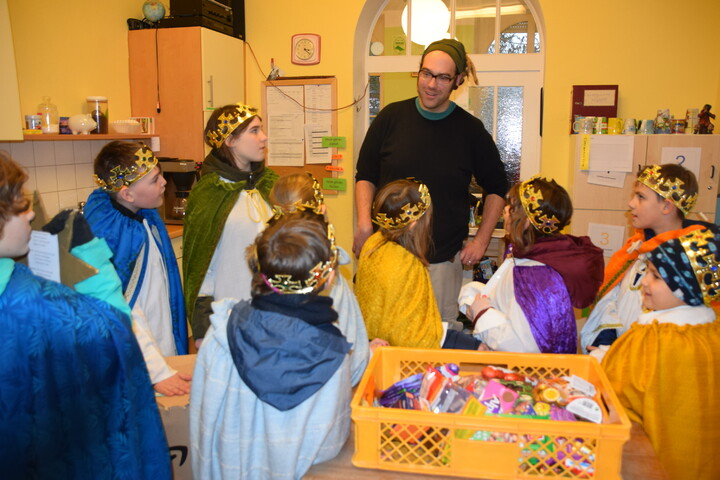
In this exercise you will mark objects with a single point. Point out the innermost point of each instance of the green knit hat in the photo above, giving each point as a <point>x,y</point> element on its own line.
<point>455,49</point>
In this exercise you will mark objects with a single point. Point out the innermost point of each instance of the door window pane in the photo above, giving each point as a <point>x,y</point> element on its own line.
<point>388,31</point>
<point>508,135</point>
<point>509,130</point>
<point>475,24</point>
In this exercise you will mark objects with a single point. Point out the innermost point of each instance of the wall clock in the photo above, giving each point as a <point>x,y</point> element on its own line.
<point>305,49</point>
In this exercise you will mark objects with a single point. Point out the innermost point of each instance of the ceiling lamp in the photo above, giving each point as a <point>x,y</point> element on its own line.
<point>430,21</point>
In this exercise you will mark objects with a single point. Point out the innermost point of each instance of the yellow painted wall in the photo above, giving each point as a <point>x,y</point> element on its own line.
<point>269,34</point>
<point>70,50</point>
<point>662,53</point>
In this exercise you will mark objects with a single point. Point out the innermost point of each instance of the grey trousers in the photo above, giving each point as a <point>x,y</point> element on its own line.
<point>446,279</point>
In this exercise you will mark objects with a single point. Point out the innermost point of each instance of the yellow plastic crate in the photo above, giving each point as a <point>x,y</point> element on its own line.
<point>429,443</point>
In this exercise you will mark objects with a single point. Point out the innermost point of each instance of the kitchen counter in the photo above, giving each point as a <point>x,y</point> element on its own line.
<point>174,231</point>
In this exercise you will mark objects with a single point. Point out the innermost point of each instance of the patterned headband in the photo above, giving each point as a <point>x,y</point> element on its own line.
<point>227,123</point>
<point>409,213</point>
<point>122,176</point>
<point>671,190</point>
<point>284,284</point>
<point>689,266</point>
<point>530,199</point>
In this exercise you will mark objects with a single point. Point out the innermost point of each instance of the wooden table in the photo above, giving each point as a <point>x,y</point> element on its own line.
<point>639,463</point>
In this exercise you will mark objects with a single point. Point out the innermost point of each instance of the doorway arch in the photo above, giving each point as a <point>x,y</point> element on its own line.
<point>495,73</point>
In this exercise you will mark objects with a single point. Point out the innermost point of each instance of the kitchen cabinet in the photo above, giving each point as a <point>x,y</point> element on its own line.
<point>609,205</point>
<point>196,70</point>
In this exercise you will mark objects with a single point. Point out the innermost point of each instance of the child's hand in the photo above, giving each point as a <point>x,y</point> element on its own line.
<point>598,352</point>
<point>481,302</point>
<point>178,384</point>
<point>378,342</point>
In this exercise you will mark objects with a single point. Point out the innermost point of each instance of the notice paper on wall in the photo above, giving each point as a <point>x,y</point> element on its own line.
<point>608,237</point>
<point>285,126</point>
<point>298,117</point>
<point>318,122</point>
<point>607,179</point>
<point>611,153</point>
<point>314,150</point>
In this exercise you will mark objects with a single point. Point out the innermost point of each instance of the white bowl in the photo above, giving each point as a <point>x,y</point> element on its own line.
<point>130,127</point>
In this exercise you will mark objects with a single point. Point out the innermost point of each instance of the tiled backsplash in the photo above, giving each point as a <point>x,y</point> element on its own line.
<point>62,171</point>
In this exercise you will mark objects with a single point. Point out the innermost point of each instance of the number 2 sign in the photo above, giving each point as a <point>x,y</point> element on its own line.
<point>688,157</point>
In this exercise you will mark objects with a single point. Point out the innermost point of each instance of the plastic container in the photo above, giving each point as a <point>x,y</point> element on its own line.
<point>127,127</point>
<point>427,443</point>
<point>98,110</point>
<point>33,122</point>
<point>49,118</point>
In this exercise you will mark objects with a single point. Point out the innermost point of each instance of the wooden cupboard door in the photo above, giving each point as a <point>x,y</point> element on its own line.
<point>590,196</point>
<point>177,88</point>
<point>223,69</point>
<point>707,173</point>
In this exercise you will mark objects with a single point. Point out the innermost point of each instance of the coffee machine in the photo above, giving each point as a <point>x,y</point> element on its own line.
<point>180,175</point>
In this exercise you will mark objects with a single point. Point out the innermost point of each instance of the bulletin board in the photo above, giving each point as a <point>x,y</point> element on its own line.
<point>298,112</point>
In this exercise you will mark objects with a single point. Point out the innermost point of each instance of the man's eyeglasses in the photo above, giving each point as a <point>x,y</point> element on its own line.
<point>441,79</point>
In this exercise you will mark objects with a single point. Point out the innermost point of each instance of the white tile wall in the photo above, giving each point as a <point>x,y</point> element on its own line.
<point>61,171</point>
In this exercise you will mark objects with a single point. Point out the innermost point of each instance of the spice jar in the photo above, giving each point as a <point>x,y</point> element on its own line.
<point>98,110</point>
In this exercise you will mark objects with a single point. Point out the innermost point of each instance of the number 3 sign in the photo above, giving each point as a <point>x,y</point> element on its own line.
<point>608,237</point>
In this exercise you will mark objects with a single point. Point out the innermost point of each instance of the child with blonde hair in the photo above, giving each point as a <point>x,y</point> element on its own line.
<point>527,305</point>
<point>299,192</point>
<point>665,369</point>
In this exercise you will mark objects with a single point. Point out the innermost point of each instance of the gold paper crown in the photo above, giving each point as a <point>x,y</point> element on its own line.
<point>409,213</point>
<point>530,199</point>
<point>284,284</point>
<point>228,122</point>
<point>314,205</point>
<point>671,190</point>
<point>703,259</point>
<point>122,176</point>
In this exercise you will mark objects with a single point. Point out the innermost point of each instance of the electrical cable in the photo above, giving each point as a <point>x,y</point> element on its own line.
<point>270,82</point>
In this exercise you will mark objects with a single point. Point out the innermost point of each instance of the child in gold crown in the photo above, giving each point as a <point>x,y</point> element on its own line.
<point>666,367</point>
<point>123,212</point>
<point>393,283</point>
<point>226,209</point>
<point>662,197</point>
<point>527,305</point>
<point>300,192</point>
<point>272,382</point>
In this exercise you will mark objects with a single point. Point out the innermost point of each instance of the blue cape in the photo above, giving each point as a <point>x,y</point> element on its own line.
<point>75,396</point>
<point>127,238</point>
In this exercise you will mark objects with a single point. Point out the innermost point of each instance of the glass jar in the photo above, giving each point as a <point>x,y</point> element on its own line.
<point>98,110</point>
<point>49,118</point>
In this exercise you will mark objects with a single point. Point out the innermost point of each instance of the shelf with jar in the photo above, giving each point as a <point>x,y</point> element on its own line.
<point>34,137</point>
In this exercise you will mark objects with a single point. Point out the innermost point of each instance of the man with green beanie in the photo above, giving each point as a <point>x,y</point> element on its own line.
<point>432,139</point>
